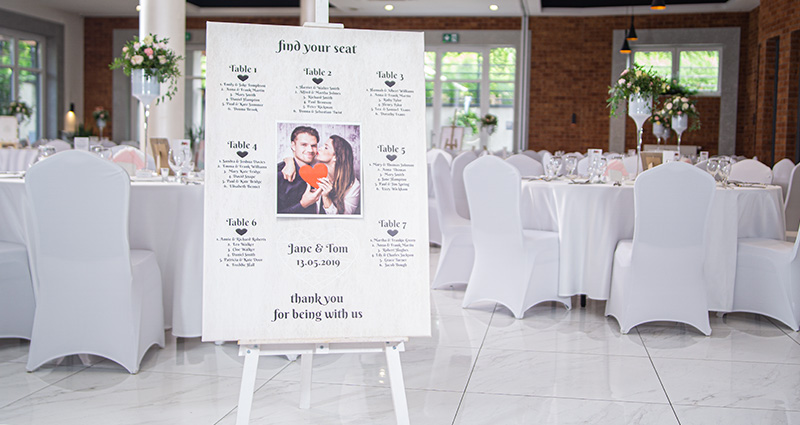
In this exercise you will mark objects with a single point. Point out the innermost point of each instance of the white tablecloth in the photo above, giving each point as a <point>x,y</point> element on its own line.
<point>166,218</point>
<point>591,219</point>
<point>16,159</point>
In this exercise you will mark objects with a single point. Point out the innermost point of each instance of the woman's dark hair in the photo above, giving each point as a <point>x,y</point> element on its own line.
<point>344,173</point>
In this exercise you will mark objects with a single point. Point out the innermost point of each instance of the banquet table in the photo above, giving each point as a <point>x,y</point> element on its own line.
<point>591,218</point>
<point>166,218</point>
<point>12,159</point>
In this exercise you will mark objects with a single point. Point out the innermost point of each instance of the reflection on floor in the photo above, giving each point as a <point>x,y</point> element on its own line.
<point>480,367</point>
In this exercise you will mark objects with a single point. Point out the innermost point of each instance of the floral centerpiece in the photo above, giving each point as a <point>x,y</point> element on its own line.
<point>679,105</point>
<point>660,117</point>
<point>19,109</point>
<point>468,119</point>
<point>101,113</point>
<point>489,122</point>
<point>635,81</point>
<point>152,55</point>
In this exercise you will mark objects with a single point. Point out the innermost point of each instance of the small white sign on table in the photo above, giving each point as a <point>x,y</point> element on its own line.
<point>315,193</point>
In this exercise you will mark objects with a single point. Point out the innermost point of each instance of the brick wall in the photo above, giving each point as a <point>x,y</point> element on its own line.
<point>778,19</point>
<point>570,68</point>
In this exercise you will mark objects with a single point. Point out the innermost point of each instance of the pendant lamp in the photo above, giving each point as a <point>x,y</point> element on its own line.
<point>658,5</point>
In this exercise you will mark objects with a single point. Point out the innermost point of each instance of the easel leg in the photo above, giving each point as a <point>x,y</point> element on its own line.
<point>397,384</point>
<point>306,361</point>
<point>248,385</point>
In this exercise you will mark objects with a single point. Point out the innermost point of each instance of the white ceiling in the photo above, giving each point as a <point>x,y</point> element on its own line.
<point>401,8</point>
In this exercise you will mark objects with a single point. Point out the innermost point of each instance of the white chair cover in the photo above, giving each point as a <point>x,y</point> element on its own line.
<point>436,151</point>
<point>545,159</point>
<point>659,274</point>
<point>751,171</point>
<point>543,151</point>
<point>767,277</point>
<point>434,229</point>
<point>791,209</point>
<point>515,268</point>
<point>533,154</point>
<point>781,173</point>
<point>456,257</point>
<point>107,144</point>
<point>457,173</point>
<point>631,164</point>
<point>526,165</point>
<point>94,295</point>
<point>60,145</point>
<point>16,292</point>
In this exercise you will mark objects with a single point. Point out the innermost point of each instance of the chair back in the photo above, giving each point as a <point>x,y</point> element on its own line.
<point>79,206</point>
<point>631,164</point>
<point>791,209</point>
<point>583,166</point>
<point>781,173</point>
<point>533,154</point>
<point>443,192</point>
<point>129,158</point>
<point>751,171</point>
<point>526,165</point>
<point>436,151</point>
<point>107,144</point>
<point>457,175</point>
<point>60,145</point>
<point>494,190</point>
<point>671,206</point>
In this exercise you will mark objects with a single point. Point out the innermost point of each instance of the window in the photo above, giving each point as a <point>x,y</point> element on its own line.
<point>479,78</point>
<point>21,70</point>
<point>695,68</point>
<point>195,88</point>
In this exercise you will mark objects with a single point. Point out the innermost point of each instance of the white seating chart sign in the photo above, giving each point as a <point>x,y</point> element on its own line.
<point>316,190</point>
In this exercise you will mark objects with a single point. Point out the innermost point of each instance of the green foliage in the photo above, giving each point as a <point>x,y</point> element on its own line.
<point>195,134</point>
<point>468,119</point>
<point>153,56</point>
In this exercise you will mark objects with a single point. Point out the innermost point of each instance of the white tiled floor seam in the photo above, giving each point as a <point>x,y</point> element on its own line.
<point>666,394</point>
<point>466,386</point>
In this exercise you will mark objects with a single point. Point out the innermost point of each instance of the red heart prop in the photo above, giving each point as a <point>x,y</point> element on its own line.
<point>310,175</point>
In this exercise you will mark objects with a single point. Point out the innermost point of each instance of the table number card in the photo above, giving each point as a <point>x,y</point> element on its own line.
<point>315,202</point>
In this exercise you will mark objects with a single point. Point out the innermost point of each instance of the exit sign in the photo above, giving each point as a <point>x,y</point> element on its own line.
<point>450,37</point>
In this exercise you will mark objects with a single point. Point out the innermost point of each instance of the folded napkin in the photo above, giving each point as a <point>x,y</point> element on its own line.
<point>617,165</point>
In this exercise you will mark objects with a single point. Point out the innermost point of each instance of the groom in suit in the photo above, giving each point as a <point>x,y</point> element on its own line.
<point>297,196</point>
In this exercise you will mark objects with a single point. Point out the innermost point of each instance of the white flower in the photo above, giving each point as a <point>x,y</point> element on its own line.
<point>685,106</point>
<point>148,40</point>
<point>162,60</point>
<point>136,46</point>
<point>137,59</point>
<point>683,99</point>
<point>668,106</point>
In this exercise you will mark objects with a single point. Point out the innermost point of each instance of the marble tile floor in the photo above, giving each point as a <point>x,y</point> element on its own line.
<point>481,366</point>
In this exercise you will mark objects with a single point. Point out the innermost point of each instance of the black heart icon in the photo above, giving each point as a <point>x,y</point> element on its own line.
<point>392,232</point>
<point>389,83</point>
<point>241,154</point>
<point>317,80</point>
<point>241,231</point>
<point>242,77</point>
<point>391,157</point>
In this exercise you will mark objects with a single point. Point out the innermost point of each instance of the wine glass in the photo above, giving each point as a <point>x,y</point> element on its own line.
<point>712,166</point>
<point>598,169</point>
<point>558,162</point>
<point>177,160</point>
<point>571,164</point>
<point>724,169</point>
<point>549,168</point>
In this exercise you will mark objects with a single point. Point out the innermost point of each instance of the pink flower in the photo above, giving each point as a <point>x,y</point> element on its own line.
<point>624,72</point>
<point>124,49</point>
<point>149,52</point>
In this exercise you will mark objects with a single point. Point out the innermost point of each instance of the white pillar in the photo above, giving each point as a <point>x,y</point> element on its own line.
<point>314,11</point>
<point>166,19</point>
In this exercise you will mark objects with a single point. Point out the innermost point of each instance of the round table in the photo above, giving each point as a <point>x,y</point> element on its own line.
<point>591,218</point>
<point>12,159</point>
<point>166,218</point>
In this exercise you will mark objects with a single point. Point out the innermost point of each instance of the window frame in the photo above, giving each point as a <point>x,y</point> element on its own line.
<point>16,71</point>
<point>676,50</point>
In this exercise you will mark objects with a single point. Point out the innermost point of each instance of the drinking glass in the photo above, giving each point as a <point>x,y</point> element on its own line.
<point>598,169</point>
<point>712,166</point>
<point>549,168</point>
<point>177,161</point>
<point>45,151</point>
<point>724,170</point>
<point>571,164</point>
<point>558,161</point>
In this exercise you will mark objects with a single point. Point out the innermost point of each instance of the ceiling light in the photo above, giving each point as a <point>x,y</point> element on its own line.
<point>632,32</point>
<point>658,5</point>
<point>626,48</point>
<point>389,7</point>
<point>138,7</point>
<point>493,7</point>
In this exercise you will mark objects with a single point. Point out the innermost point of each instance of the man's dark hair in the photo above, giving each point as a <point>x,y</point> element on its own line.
<point>304,129</point>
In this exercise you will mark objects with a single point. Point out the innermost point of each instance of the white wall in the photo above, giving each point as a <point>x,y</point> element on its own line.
<point>73,47</point>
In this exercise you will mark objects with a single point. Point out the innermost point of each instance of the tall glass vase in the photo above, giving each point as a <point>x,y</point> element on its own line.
<point>146,89</point>
<point>101,124</point>
<point>680,123</point>
<point>639,108</point>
